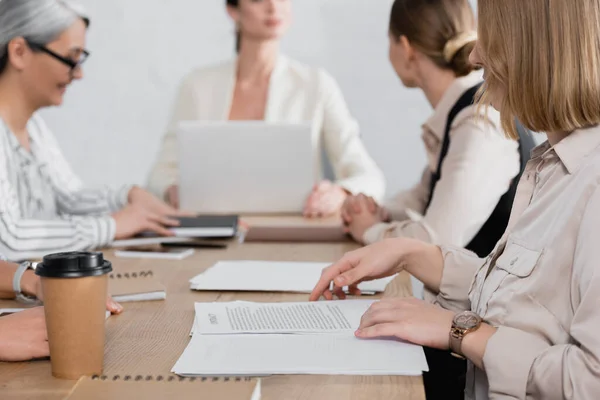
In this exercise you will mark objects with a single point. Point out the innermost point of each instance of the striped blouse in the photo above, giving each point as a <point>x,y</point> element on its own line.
<point>44,206</point>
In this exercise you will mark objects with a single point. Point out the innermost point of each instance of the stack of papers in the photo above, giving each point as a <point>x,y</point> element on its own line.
<point>258,339</point>
<point>269,276</point>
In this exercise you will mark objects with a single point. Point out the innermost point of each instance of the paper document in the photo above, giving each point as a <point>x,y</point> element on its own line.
<point>248,317</point>
<point>336,354</point>
<point>147,241</point>
<point>300,277</point>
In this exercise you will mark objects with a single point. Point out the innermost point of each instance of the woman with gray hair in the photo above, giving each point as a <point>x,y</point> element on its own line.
<point>44,206</point>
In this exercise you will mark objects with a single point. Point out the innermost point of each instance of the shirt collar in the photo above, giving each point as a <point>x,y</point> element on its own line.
<point>438,120</point>
<point>575,148</point>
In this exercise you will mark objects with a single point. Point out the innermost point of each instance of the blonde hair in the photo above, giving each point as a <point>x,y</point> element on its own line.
<point>443,30</point>
<point>544,56</point>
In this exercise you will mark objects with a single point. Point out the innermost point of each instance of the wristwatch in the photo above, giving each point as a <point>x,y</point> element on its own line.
<point>20,296</point>
<point>463,324</point>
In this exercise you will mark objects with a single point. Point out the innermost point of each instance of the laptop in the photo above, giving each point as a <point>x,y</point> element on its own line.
<point>246,167</point>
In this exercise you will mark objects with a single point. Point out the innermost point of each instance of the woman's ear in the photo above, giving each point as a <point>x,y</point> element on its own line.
<point>18,52</point>
<point>407,48</point>
<point>234,14</point>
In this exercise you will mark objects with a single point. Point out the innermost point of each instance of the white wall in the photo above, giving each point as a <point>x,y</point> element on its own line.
<point>112,122</point>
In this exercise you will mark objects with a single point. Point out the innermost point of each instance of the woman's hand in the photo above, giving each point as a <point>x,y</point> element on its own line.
<point>172,196</point>
<point>134,219</point>
<point>408,319</point>
<point>23,336</point>
<point>326,199</point>
<point>379,260</point>
<point>112,306</point>
<point>359,213</point>
<point>142,199</point>
<point>422,323</point>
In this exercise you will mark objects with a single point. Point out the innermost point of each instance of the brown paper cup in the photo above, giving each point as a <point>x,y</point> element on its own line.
<point>75,316</point>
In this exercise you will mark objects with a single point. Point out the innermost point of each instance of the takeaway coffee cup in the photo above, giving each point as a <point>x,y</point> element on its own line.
<point>75,287</point>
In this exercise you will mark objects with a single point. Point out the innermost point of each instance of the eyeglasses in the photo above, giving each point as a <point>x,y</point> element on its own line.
<point>72,64</point>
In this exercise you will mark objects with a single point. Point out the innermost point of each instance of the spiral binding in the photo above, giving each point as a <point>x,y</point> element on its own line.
<point>131,275</point>
<point>168,378</point>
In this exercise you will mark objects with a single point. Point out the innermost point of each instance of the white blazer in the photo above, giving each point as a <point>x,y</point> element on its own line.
<point>297,94</point>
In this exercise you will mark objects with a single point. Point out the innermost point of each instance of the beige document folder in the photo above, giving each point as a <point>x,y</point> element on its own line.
<point>294,229</point>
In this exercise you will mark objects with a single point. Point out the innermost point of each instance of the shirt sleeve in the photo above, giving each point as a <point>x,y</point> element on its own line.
<point>460,267</point>
<point>22,238</point>
<point>522,365</point>
<point>72,197</point>
<point>166,169</point>
<point>354,168</point>
<point>477,171</point>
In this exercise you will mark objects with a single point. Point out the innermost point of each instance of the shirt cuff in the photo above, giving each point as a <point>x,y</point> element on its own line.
<point>373,187</point>
<point>508,358</point>
<point>107,228</point>
<point>121,197</point>
<point>460,267</point>
<point>375,233</point>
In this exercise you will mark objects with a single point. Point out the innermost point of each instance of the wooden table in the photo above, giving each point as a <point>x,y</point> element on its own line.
<point>147,339</point>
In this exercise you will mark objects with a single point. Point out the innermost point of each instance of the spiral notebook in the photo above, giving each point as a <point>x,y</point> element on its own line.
<point>197,389</point>
<point>128,284</point>
<point>9,311</point>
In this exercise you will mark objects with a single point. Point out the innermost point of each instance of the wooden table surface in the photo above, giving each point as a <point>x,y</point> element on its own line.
<point>147,339</point>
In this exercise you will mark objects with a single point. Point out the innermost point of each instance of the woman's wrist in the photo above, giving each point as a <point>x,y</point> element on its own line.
<point>132,192</point>
<point>29,283</point>
<point>425,262</point>
<point>474,344</point>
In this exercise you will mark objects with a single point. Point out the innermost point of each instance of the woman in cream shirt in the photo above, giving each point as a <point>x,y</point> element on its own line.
<point>261,84</point>
<point>467,201</point>
<point>527,316</point>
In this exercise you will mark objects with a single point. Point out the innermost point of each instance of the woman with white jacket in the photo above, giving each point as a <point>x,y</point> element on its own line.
<point>261,84</point>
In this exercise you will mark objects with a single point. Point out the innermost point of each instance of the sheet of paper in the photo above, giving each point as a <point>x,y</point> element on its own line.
<point>300,277</point>
<point>247,317</point>
<point>148,241</point>
<point>336,354</point>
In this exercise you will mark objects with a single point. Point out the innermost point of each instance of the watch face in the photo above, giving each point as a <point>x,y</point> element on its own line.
<point>467,320</point>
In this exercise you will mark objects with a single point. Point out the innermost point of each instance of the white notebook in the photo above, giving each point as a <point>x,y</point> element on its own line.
<point>129,284</point>
<point>278,276</point>
<point>9,311</point>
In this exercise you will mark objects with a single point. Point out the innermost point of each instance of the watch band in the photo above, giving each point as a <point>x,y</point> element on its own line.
<point>24,266</point>
<point>456,337</point>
